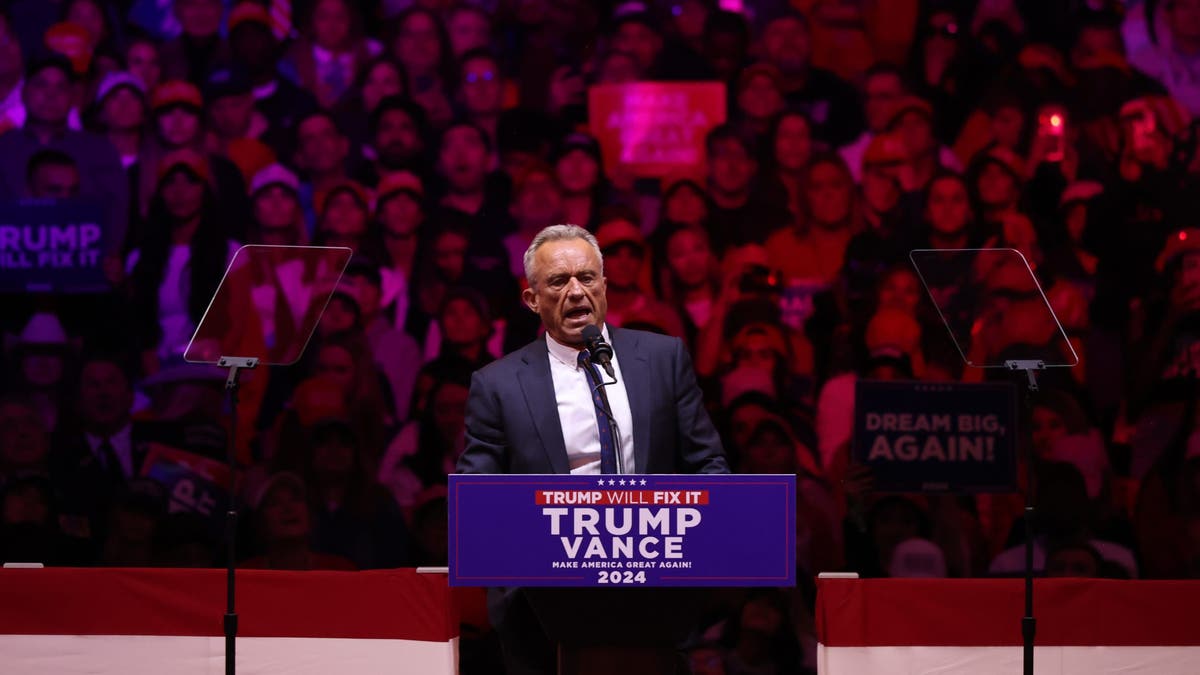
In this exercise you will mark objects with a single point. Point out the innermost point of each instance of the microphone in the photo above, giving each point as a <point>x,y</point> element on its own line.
<point>601,352</point>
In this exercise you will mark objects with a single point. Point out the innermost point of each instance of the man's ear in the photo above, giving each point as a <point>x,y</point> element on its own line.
<point>530,299</point>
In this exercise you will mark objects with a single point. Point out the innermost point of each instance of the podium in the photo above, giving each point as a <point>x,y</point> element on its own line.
<point>632,631</point>
<point>614,567</point>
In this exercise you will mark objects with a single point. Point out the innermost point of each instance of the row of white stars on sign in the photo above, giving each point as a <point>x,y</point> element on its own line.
<point>610,481</point>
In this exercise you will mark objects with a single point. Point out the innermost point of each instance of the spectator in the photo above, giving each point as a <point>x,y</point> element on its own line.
<point>331,50</point>
<point>443,266</point>
<point>353,516</point>
<point>1166,514</point>
<point>891,216</point>
<point>726,43</point>
<point>463,161</point>
<point>1074,560</point>
<point>344,362</point>
<point>430,526</point>
<point>618,67</point>
<point>396,354</point>
<point>828,101</point>
<point>1100,204</point>
<point>759,637</point>
<point>341,316</point>
<point>422,46</point>
<point>627,274</point>
<point>275,204</point>
<point>24,439</point>
<point>1172,61</point>
<point>890,520</point>
<point>184,540</point>
<point>817,251</point>
<point>12,72</point>
<point>178,109</point>
<point>175,271</point>
<point>399,134</point>
<point>425,450</point>
<point>42,356</point>
<point>52,175</point>
<point>322,152</point>
<point>96,456</point>
<point>917,558</point>
<point>686,203</point>
<point>635,33</point>
<point>791,150</point>
<point>380,78</point>
<point>132,523</point>
<point>235,126</point>
<point>1066,515</point>
<point>256,50</point>
<point>399,221</point>
<point>469,27</point>
<point>688,21</point>
<point>199,48</point>
<point>342,215</point>
<point>737,218</point>
<point>938,68</point>
<point>687,273</point>
<point>580,176</point>
<point>537,200</point>
<point>144,62</point>
<point>283,526</point>
<point>883,87</point>
<point>759,98</point>
<point>913,124</point>
<point>948,214</point>
<point>481,91</point>
<point>29,524</point>
<point>122,113</point>
<point>47,94</point>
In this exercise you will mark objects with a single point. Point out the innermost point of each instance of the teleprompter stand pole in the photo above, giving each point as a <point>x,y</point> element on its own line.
<point>1028,622</point>
<point>235,364</point>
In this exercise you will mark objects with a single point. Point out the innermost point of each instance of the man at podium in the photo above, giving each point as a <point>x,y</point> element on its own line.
<point>554,406</point>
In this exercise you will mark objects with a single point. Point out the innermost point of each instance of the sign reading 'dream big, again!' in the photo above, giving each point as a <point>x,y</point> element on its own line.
<point>655,129</point>
<point>936,437</point>
<point>623,530</point>
<point>52,246</point>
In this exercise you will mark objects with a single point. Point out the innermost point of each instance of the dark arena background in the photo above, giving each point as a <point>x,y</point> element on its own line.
<point>785,186</point>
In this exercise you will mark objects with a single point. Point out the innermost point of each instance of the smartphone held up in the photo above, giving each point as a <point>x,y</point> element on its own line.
<point>1052,126</point>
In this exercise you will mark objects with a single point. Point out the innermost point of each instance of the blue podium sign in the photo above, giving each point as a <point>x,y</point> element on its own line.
<point>631,530</point>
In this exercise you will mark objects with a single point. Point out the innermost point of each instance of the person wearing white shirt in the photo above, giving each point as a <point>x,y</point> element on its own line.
<point>533,411</point>
<point>179,266</point>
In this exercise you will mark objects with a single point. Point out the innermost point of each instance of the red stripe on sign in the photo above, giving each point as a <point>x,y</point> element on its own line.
<point>384,604</point>
<point>987,612</point>
<point>621,497</point>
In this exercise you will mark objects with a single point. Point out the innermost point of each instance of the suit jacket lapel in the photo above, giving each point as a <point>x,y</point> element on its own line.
<point>635,369</point>
<point>538,386</point>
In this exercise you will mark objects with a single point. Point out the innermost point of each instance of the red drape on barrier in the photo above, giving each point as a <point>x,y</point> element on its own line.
<point>384,604</point>
<point>987,612</point>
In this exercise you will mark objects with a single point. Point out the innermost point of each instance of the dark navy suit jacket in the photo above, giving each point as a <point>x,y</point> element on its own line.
<point>512,415</point>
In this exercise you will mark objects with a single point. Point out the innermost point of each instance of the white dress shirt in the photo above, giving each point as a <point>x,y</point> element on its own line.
<point>122,443</point>
<point>577,412</point>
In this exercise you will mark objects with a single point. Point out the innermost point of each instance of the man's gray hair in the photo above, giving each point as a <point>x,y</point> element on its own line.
<point>558,233</point>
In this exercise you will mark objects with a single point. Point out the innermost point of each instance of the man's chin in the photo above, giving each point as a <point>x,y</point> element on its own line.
<point>571,330</point>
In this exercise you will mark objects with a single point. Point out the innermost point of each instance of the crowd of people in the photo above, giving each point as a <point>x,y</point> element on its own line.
<point>435,138</point>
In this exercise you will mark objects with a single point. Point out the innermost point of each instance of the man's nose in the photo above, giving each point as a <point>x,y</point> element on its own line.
<point>574,288</point>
